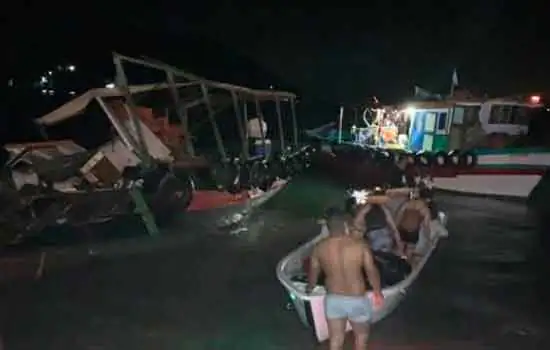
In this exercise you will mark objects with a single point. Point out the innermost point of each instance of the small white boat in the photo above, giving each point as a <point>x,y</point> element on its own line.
<point>310,307</point>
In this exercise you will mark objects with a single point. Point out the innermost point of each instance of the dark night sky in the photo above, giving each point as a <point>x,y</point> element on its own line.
<point>327,54</point>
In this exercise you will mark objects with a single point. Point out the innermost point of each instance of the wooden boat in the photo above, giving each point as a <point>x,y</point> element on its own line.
<point>154,154</point>
<point>484,129</point>
<point>310,307</point>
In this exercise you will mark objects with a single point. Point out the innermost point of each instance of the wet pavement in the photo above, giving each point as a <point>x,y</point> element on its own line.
<point>485,288</point>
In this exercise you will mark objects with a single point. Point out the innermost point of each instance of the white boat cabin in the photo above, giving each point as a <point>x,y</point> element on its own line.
<point>458,124</point>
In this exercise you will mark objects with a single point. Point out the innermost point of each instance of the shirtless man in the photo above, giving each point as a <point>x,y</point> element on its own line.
<point>375,223</point>
<point>342,258</point>
<point>414,217</point>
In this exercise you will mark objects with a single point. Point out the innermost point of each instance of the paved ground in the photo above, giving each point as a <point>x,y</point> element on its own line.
<point>485,288</point>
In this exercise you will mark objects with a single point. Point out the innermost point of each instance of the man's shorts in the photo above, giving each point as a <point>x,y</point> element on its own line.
<point>356,309</point>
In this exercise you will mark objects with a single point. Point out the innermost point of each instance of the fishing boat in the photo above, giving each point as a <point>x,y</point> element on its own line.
<point>292,269</point>
<point>152,153</point>
<point>471,146</point>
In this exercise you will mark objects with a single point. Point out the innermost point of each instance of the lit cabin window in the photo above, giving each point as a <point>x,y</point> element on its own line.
<point>442,121</point>
<point>508,114</point>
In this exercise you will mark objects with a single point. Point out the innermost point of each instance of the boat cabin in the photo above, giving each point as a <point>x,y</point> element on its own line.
<point>459,124</point>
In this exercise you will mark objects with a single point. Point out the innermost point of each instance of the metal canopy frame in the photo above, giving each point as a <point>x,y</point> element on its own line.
<point>237,94</point>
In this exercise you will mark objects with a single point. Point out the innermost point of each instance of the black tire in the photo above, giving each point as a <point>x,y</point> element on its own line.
<point>440,159</point>
<point>279,167</point>
<point>260,175</point>
<point>423,159</point>
<point>410,158</point>
<point>381,156</point>
<point>467,160</point>
<point>224,174</point>
<point>172,196</point>
<point>453,159</point>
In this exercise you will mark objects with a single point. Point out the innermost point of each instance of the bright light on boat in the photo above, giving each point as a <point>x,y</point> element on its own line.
<point>71,68</point>
<point>410,111</point>
<point>360,196</point>
<point>110,86</point>
<point>535,99</point>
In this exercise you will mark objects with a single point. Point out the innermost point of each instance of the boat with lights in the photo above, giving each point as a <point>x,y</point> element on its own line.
<point>470,145</point>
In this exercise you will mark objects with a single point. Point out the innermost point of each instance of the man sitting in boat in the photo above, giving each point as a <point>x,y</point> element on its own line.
<point>414,217</point>
<point>374,223</point>
<point>342,258</point>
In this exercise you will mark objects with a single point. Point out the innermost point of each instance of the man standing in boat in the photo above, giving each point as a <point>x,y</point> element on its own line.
<point>414,218</point>
<point>342,258</point>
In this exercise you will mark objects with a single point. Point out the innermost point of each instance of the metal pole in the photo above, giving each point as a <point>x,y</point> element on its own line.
<point>280,122</point>
<point>340,124</point>
<point>182,114</point>
<point>294,122</point>
<point>240,126</point>
<point>122,83</point>
<point>245,123</point>
<point>120,128</point>
<point>261,122</point>
<point>217,134</point>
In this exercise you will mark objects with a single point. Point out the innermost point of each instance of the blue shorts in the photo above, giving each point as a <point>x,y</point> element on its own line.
<point>356,309</point>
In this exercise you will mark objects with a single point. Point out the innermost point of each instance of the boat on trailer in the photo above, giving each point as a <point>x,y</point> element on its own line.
<point>293,268</point>
<point>467,145</point>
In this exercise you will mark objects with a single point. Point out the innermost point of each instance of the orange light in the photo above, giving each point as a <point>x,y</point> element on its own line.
<point>535,99</point>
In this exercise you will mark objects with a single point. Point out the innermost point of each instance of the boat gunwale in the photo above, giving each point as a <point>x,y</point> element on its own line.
<point>397,288</point>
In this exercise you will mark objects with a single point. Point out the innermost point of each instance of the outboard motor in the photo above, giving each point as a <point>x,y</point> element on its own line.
<point>279,166</point>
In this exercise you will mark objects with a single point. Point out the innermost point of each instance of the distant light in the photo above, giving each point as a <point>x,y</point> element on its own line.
<point>50,72</point>
<point>271,86</point>
<point>71,68</point>
<point>72,92</point>
<point>43,80</point>
<point>410,111</point>
<point>535,99</point>
<point>44,91</point>
<point>110,86</point>
<point>11,82</point>
<point>51,92</point>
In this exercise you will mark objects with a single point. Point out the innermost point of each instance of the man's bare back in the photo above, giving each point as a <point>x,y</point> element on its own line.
<point>342,257</point>
<point>342,260</point>
<point>413,214</point>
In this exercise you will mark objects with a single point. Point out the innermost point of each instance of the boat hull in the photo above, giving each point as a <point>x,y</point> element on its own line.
<point>501,174</point>
<point>497,185</point>
<point>310,307</point>
<point>212,208</point>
